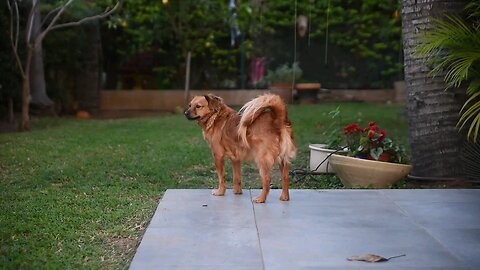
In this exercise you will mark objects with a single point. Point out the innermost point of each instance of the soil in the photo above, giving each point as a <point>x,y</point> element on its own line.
<point>8,127</point>
<point>441,184</point>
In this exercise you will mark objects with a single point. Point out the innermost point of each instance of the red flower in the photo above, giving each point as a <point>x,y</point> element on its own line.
<point>383,135</point>
<point>372,123</point>
<point>352,128</point>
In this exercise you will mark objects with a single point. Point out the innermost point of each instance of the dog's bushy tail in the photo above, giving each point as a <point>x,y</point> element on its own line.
<point>254,108</point>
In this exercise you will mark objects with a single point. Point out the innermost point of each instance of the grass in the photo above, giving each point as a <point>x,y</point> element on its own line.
<point>79,194</point>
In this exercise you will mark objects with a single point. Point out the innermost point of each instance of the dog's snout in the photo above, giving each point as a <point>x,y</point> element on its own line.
<point>189,116</point>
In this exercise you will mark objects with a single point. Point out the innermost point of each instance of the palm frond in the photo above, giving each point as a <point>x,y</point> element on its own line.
<point>452,49</point>
<point>470,113</point>
<point>474,86</point>
<point>473,9</point>
<point>447,43</point>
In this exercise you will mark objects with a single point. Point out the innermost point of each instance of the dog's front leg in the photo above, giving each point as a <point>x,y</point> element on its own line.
<point>222,184</point>
<point>237,177</point>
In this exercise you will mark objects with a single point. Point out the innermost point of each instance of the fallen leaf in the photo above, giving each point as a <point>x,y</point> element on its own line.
<point>368,258</point>
<point>372,258</point>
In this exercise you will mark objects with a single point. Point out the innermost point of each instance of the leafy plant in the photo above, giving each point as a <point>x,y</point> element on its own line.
<point>372,143</point>
<point>333,133</point>
<point>453,49</point>
<point>362,35</point>
<point>284,74</point>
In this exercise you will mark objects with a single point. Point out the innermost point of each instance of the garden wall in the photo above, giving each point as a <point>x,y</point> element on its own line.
<point>118,101</point>
<point>166,100</point>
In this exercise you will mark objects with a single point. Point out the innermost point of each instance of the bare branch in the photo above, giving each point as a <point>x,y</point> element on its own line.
<point>30,21</point>
<point>17,32</point>
<point>52,25</point>
<point>40,37</point>
<point>106,13</point>
<point>50,14</point>
<point>14,41</point>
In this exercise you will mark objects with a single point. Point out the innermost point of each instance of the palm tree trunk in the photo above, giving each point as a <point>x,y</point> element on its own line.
<point>432,112</point>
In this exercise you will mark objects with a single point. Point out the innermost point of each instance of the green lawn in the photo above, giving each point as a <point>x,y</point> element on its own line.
<point>79,194</point>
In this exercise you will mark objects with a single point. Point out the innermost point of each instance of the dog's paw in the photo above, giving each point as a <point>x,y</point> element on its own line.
<point>284,197</point>
<point>237,191</point>
<point>259,199</point>
<point>218,192</point>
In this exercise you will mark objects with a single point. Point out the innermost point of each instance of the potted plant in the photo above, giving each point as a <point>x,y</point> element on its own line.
<point>373,159</point>
<point>334,143</point>
<point>281,79</point>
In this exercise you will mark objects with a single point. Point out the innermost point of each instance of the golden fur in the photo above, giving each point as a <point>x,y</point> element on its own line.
<point>261,132</point>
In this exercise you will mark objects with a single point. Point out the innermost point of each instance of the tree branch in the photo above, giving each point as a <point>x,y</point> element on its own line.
<point>50,14</point>
<point>106,13</point>
<point>40,37</point>
<point>30,21</point>
<point>14,41</point>
<point>52,25</point>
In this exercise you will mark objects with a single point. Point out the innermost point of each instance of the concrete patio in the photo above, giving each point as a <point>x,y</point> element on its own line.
<point>317,229</point>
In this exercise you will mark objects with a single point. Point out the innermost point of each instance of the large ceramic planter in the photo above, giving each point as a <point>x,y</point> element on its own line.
<point>318,153</point>
<point>356,172</point>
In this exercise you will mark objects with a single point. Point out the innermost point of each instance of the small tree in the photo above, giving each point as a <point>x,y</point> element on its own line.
<point>33,42</point>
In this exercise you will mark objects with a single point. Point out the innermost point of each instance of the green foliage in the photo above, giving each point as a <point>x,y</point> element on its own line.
<point>284,74</point>
<point>171,30</point>
<point>334,131</point>
<point>453,49</point>
<point>368,31</point>
<point>9,75</point>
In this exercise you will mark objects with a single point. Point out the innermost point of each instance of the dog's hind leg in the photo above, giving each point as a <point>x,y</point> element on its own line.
<point>284,168</point>
<point>265,166</point>
<point>222,184</point>
<point>237,177</point>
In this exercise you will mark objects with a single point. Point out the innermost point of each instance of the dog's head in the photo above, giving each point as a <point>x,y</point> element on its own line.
<point>202,106</point>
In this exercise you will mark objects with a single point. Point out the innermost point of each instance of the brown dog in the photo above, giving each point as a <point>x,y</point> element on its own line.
<point>260,132</point>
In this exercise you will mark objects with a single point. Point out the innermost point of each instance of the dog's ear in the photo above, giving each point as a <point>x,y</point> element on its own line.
<point>214,102</point>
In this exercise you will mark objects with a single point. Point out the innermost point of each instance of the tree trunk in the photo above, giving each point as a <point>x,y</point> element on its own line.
<point>432,112</point>
<point>88,82</point>
<point>25,120</point>
<point>38,90</point>
<point>11,114</point>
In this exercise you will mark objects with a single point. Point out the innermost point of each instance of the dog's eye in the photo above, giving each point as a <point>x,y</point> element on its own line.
<point>198,106</point>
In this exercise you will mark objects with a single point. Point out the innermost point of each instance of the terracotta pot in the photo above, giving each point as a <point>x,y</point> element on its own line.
<point>284,90</point>
<point>83,115</point>
<point>356,172</point>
